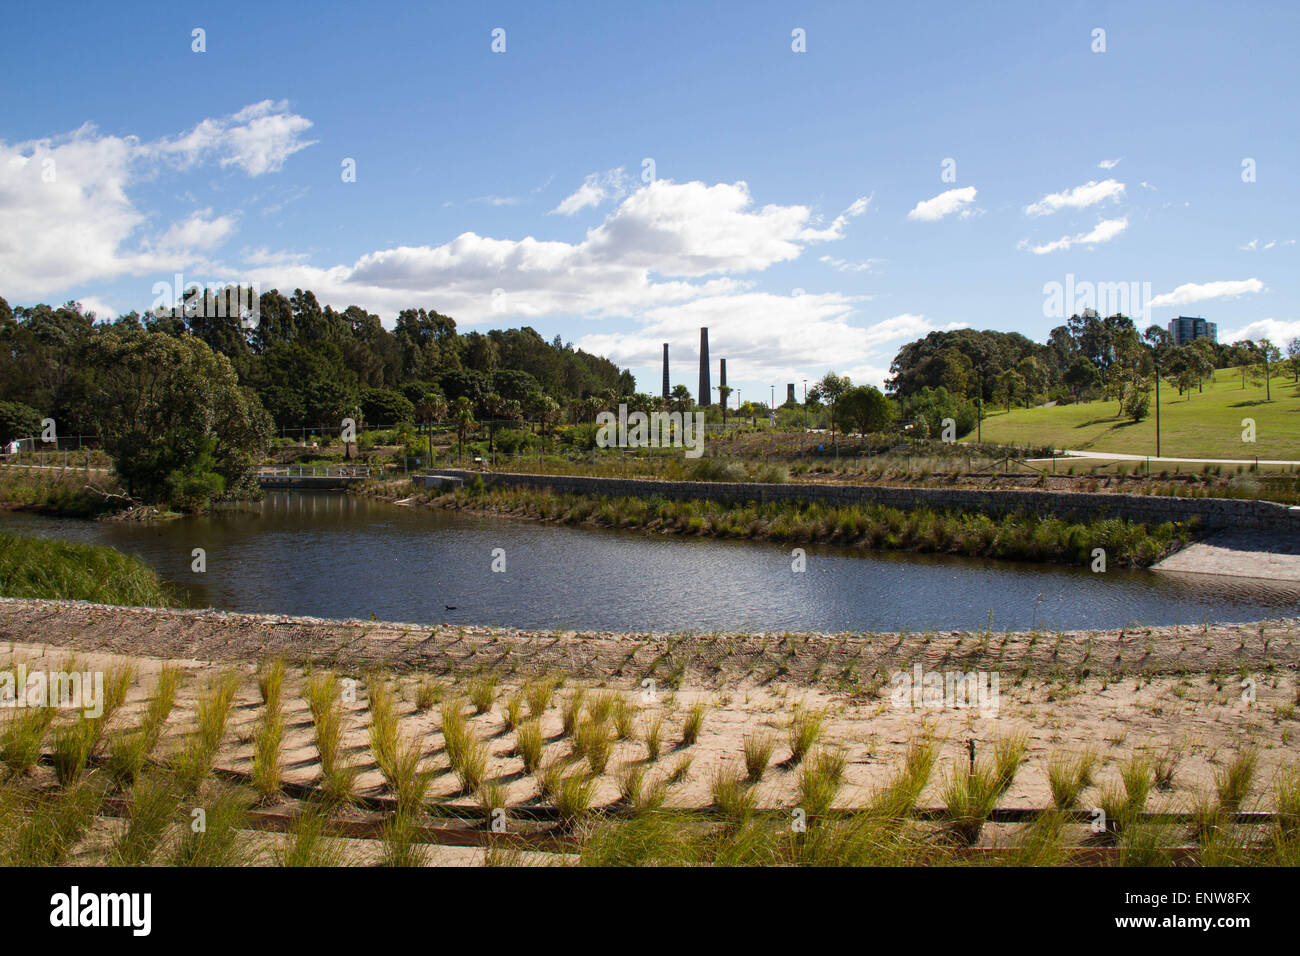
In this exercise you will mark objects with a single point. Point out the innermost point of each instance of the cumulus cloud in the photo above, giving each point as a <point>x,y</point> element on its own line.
<point>1080,197</point>
<point>954,200</point>
<point>1104,231</point>
<point>1275,330</point>
<point>70,219</point>
<point>1191,292</point>
<point>257,139</point>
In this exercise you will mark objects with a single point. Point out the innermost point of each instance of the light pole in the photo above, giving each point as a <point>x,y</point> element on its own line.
<point>804,435</point>
<point>1155,364</point>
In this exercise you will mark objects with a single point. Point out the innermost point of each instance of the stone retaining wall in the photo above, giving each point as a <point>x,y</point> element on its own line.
<point>1213,513</point>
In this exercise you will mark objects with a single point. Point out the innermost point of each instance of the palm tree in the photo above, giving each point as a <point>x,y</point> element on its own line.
<point>463,412</point>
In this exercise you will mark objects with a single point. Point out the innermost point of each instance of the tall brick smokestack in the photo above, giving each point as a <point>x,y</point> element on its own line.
<point>665,370</point>
<point>789,393</point>
<point>702,399</point>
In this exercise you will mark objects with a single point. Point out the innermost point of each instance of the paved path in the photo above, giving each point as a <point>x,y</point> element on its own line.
<point>1115,456</point>
<point>1240,554</point>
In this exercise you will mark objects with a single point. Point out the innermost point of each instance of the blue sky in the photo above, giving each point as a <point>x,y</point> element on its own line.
<point>800,203</point>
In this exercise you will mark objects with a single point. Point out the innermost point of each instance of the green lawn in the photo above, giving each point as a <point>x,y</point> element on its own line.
<point>1198,425</point>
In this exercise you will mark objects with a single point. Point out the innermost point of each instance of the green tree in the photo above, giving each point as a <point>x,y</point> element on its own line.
<point>867,409</point>
<point>18,421</point>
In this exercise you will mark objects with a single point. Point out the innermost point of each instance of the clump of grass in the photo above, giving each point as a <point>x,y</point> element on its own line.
<point>654,728</point>
<point>483,692</point>
<point>1165,765</point>
<point>897,798</point>
<point>572,710</point>
<point>573,797</point>
<point>1008,754</point>
<point>153,808</point>
<point>129,749</point>
<point>383,728</point>
<point>1068,775</point>
<point>54,828</point>
<point>820,780</point>
<point>593,742</point>
<point>514,710</point>
<point>1286,801</point>
<point>194,761</point>
<point>550,777</point>
<point>491,798</point>
<point>270,683</point>
<point>733,797</point>
<point>624,718</point>
<point>456,734</point>
<point>758,754</point>
<point>639,792</point>
<point>306,844</point>
<point>600,707</point>
<point>529,743</point>
<point>1232,783</point>
<point>401,845</point>
<point>72,746</point>
<point>694,721</point>
<point>539,693</point>
<point>679,770</point>
<point>410,781</point>
<point>427,693</point>
<point>218,841</point>
<point>472,768</point>
<point>805,730</point>
<point>20,744</point>
<point>338,774</point>
<point>969,796</point>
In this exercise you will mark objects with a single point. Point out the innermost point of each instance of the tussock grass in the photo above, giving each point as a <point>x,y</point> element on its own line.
<point>338,773</point>
<point>758,750</point>
<point>221,840</point>
<point>593,741</point>
<point>267,762</point>
<point>601,707</point>
<point>572,711</point>
<point>1232,783</point>
<point>898,797</point>
<point>383,732</point>
<point>733,797</point>
<point>72,746</point>
<point>539,693</point>
<point>969,795</point>
<point>194,761</point>
<point>638,791</point>
<point>483,692</point>
<point>820,780</point>
<point>455,730</point>
<point>694,721</point>
<point>306,844</point>
<point>400,836</point>
<point>472,768</point>
<point>680,770</point>
<point>514,710</point>
<point>270,683</point>
<point>653,730</point>
<point>1008,754</point>
<point>129,749</point>
<point>24,732</point>
<point>54,828</point>
<point>1068,775</point>
<point>529,744</point>
<point>410,780</point>
<point>624,718</point>
<point>154,807</point>
<point>573,797</point>
<point>427,693</point>
<point>804,732</point>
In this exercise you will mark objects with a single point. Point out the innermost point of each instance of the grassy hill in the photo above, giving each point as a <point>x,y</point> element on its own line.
<point>1197,425</point>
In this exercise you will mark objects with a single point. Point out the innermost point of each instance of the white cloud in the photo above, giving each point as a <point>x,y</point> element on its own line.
<point>595,189</point>
<point>1275,330</point>
<point>68,215</point>
<point>1104,231</point>
<point>1199,292</point>
<point>954,200</point>
<point>1260,245</point>
<point>841,265</point>
<point>1080,197</point>
<point>766,337</point>
<point>257,139</point>
<point>1109,163</point>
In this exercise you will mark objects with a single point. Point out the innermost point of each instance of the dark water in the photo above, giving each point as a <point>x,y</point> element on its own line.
<point>331,555</point>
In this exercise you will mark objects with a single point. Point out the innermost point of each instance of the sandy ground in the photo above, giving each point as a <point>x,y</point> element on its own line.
<point>1203,692</point>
